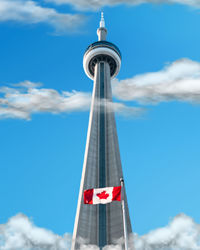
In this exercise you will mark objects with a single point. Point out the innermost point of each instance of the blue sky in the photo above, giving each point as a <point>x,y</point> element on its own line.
<point>45,97</point>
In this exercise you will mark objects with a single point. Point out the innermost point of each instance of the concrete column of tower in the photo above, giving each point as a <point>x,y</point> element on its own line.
<point>103,73</point>
<point>101,225</point>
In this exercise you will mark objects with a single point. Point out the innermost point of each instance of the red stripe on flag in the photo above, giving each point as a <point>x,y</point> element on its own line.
<point>88,196</point>
<point>117,194</point>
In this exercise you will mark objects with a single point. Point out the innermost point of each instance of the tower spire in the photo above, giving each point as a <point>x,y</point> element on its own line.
<point>102,31</point>
<point>102,22</point>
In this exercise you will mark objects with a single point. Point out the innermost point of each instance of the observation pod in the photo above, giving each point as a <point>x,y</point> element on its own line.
<point>102,51</point>
<point>101,225</point>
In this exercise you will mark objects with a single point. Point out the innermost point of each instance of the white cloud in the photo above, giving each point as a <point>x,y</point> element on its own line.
<point>127,111</point>
<point>96,4</point>
<point>27,84</point>
<point>27,98</point>
<point>182,233</point>
<point>178,81</point>
<point>20,233</point>
<point>31,12</point>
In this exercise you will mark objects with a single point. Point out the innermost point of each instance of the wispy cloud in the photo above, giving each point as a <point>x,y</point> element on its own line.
<point>21,233</point>
<point>178,81</point>
<point>32,13</point>
<point>96,4</point>
<point>127,111</point>
<point>26,98</point>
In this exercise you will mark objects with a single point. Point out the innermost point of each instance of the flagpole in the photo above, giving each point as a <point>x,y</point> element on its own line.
<point>124,214</point>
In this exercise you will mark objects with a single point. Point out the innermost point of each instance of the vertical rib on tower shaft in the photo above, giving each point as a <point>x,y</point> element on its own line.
<point>100,225</point>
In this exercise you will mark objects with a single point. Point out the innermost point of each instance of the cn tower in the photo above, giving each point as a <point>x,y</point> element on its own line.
<point>101,225</point>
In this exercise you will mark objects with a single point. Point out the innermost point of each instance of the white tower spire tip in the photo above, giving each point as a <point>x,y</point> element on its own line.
<point>102,22</point>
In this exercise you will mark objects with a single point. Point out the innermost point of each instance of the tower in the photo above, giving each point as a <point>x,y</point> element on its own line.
<point>101,224</point>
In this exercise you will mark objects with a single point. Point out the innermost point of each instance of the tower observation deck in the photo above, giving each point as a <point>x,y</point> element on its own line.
<point>101,225</point>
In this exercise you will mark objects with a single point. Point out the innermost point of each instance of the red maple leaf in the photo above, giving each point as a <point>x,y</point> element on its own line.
<point>103,195</point>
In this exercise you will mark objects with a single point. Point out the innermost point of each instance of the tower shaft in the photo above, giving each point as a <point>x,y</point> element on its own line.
<point>100,224</point>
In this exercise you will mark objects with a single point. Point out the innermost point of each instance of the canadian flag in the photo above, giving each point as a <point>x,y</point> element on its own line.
<point>102,195</point>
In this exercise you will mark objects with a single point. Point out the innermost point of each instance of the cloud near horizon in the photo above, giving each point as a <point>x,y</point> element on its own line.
<point>20,233</point>
<point>30,12</point>
<point>182,233</point>
<point>97,4</point>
